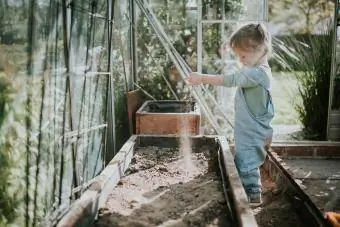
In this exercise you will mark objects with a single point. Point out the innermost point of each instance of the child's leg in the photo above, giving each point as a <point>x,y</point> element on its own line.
<point>251,181</point>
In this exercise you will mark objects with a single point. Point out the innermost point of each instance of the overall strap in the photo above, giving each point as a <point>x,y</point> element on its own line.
<point>260,82</point>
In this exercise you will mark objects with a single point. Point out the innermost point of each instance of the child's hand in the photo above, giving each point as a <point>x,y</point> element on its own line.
<point>194,78</point>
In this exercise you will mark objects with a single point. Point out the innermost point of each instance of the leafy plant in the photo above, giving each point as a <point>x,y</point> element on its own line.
<point>157,74</point>
<point>8,201</point>
<point>309,57</point>
<point>301,15</point>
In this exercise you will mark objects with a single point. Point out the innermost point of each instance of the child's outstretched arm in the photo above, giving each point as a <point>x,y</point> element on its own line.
<point>195,78</point>
<point>241,78</point>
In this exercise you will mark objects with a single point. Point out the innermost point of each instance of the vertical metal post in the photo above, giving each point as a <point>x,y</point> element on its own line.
<point>222,30</point>
<point>66,13</point>
<point>133,47</point>
<point>199,36</point>
<point>168,14</point>
<point>265,11</point>
<point>110,111</point>
<point>73,112</point>
<point>333,66</point>
<point>31,32</point>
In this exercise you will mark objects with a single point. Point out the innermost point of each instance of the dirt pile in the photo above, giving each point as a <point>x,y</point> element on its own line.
<point>162,189</point>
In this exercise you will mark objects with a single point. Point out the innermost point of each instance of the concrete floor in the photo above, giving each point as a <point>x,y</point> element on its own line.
<point>285,132</point>
<point>320,179</point>
<point>286,129</point>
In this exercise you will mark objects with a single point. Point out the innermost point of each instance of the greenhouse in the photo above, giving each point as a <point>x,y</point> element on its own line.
<point>109,113</point>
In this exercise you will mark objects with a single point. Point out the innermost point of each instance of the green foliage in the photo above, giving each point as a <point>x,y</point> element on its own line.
<point>156,85</point>
<point>120,84</point>
<point>212,33</point>
<point>302,16</point>
<point>232,8</point>
<point>8,202</point>
<point>121,119</point>
<point>5,91</point>
<point>13,21</point>
<point>312,56</point>
<point>155,67</point>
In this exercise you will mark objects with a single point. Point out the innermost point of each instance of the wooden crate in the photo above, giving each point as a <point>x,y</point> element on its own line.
<point>168,117</point>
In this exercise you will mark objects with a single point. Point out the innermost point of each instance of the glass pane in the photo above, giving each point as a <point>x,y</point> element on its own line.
<point>55,65</point>
<point>336,83</point>
<point>214,10</point>
<point>336,90</point>
<point>215,38</point>
<point>254,10</point>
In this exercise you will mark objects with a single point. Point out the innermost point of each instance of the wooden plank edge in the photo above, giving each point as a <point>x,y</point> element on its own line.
<point>291,186</point>
<point>84,210</point>
<point>244,213</point>
<point>305,143</point>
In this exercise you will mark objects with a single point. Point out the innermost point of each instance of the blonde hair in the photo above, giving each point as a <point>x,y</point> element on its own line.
<point>252,36</point>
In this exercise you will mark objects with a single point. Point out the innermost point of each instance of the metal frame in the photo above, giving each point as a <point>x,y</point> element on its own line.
<point>133,47</point>
<point>199,36</point>
<point>333,67</point>
<point>222,22</point>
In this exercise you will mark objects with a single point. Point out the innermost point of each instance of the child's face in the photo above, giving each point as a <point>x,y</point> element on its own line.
<point>246,57</point>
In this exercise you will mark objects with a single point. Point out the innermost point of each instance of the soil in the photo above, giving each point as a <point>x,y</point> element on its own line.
<point>163,187</point>
<point>275,210</point>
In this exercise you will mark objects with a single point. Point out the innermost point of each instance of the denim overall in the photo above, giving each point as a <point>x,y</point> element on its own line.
<point>252,134</point>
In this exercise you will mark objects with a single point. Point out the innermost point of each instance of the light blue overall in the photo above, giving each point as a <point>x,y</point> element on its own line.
<point>252,133</point>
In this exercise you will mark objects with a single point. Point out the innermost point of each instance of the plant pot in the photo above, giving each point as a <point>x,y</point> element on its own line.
<point>168,117</point>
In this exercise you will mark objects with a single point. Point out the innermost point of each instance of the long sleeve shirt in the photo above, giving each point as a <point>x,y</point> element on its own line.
<point>254,82</point>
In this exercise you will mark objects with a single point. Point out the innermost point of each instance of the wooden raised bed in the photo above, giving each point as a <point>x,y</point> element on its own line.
<point>83,212</point>
<point>168,118</point>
